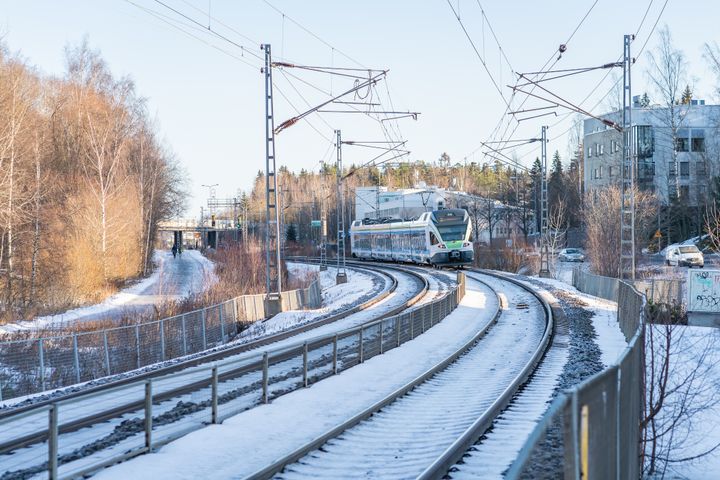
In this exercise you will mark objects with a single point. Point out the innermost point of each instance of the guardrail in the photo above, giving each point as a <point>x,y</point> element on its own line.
<point>161,413</point>
<point>593,429</point>
<point>38,364</point>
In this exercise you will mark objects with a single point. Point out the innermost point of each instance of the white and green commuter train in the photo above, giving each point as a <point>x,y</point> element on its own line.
<point>440,237</point>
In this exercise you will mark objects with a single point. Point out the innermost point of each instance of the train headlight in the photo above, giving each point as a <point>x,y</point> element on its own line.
<point>466,244</point>
<point>441,246</point>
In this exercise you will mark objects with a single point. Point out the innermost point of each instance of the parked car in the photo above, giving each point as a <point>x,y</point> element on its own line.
<point>571,255</point>
<point>684,255</point>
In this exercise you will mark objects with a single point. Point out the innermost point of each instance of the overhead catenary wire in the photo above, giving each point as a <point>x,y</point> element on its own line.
<point>602,80</point>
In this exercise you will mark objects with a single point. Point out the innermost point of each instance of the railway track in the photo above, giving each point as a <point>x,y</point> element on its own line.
<point>423,428</point>
<point>180,391</point>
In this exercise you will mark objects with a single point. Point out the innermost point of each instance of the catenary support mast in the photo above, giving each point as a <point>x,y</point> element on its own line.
<point>544,240</point>
<point>627,205</point>
<point>341,276</point>
<point>273,278</point>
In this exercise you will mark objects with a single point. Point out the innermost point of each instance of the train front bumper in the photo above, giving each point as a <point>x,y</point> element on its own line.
<point>452,257</point>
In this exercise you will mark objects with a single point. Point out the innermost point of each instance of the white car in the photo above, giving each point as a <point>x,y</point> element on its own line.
<point>571,255</point>
<point>684,255</point>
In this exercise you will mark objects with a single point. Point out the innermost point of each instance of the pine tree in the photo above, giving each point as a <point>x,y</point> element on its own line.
<point>556,182</point>
<point>291,233</point>
<point>645,100</point>
<point>686,96</point>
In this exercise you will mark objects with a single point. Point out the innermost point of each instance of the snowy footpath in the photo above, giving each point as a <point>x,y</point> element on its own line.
<point>172,279</point>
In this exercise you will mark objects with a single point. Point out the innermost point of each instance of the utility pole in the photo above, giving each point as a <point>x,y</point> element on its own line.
<point>244,207</point>
<point>283,228</point>
<point>323,230</point>
<point>544,250</point>
<point>273,278</point>
<point>627,199</point>
<point>341,276</point>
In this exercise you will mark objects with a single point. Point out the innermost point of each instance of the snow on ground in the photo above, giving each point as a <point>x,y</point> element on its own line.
<point>335,297</point>
<point>257,437</point>
<point>405,290</point>
<point>609,338</point>
<point>697,353</point>
<point>172,279</point>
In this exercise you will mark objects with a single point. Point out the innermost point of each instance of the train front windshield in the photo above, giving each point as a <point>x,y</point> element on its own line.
<point>451,224</point>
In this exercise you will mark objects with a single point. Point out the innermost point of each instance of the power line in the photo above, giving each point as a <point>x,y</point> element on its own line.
<point>173,23</point>
<point>477,52</point>
<point>309,32</point>
<point>209,29</point>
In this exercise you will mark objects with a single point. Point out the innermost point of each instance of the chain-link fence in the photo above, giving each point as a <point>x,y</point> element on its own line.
<point>659,290</point>
<point>593,429</point>
<point>149,413</point>
<point>39,364</point>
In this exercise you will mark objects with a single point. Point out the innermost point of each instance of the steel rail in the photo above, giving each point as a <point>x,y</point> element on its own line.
<point>173,370</point>
<point>454,453</point>
<point>217,353</point>
<point>303,450</point>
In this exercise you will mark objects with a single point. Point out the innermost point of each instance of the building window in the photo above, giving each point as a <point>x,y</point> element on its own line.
<point>600,173</point>
<point>682,140</point>
<point>671,169</point>
<point>684,169</point>
<point>589,152</point>
<point>644,141</point>
<point>697,143</point>
<point>681,145</point>
<point>684,191</point>
<point>701,168</point>
<point>602,149</point>
<point>610,171</point>
<point>702,193</point>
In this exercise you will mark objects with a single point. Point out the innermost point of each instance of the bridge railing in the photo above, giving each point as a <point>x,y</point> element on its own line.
<point>39,364</point>
<point>593,429</point>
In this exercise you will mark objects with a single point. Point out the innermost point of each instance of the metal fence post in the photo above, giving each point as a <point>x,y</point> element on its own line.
<point>265,396</point>
<point>162,340</point>
<point>575,435</point>
<point>183,335</point>
<point>76,358</point>
<point>412,324</point>
<point>335,353</point>
<point>222,324</point>
<point>360,346</point>
<point>203,316</point>
<point>305,364</point>
<point>137,345</point>
<point>214,394</point>
<point>148,414</point>
<point>41,354</point>
<point>397,330</point>
<point>53,442</point>
<point>107,352</point>
<point>381,336</point>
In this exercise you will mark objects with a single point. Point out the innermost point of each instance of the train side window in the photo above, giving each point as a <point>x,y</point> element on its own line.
<point>433,239</point>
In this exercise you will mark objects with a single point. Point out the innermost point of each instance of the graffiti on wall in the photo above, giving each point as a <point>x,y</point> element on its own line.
<point>703,291</point>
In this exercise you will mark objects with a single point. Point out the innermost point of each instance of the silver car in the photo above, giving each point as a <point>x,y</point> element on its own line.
<point>571,255</point>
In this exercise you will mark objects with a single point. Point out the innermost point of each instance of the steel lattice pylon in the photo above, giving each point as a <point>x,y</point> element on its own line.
<point>341,276</point>
<point>273,279</point>
<point>323,230</point>
<point>544,247</point>
<point>627,199</point>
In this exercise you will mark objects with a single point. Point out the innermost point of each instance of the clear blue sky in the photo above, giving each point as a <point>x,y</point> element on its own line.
<point>210,106</point>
